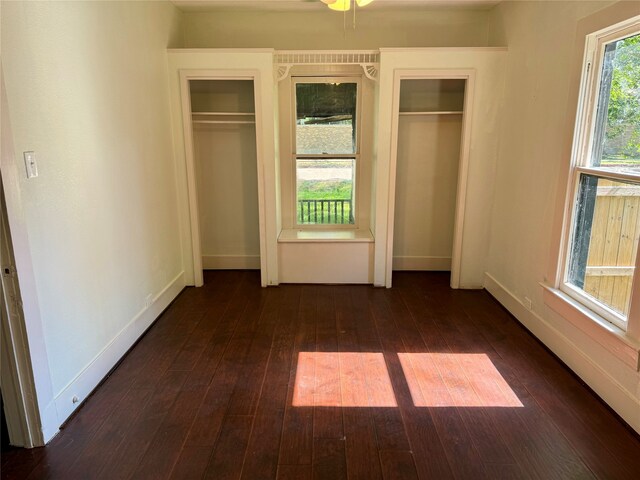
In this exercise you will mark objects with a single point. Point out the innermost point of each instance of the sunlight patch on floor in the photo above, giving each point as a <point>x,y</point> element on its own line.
<point>342,379</point>
<point>456,380</point>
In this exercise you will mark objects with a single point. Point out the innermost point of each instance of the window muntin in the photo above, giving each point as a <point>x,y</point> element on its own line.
<point>605,227</point>
<point>326,150</point>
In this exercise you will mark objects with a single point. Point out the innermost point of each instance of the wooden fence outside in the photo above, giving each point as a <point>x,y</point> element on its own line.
<point>614,244</point>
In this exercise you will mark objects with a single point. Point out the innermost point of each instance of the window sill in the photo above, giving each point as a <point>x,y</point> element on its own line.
<point>325,236</point>
<point>614,339</point>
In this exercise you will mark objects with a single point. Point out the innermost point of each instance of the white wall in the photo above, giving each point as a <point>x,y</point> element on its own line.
<point>543,71</point>
<point>87,90</point>
<point>322,30</point>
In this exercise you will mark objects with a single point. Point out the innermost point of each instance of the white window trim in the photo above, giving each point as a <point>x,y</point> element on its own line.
<point>622,342</point>
<point>319,78</point>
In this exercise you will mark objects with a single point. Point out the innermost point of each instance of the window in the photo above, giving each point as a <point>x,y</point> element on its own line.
<point>605,222</point>
<point>326,146</point>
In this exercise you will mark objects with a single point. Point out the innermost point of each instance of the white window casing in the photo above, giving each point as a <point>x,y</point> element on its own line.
<point>585,131</point>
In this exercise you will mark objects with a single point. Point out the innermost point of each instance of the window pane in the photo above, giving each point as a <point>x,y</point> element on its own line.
<point>616,144</point>
<point>325,193</point>
<point>605,241</point>
<point>326,118</point>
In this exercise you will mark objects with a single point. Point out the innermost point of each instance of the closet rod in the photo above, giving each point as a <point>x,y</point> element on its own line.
<point>224,113</point>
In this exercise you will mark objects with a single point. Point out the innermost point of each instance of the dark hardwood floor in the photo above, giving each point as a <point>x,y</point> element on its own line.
<point>418,381</point>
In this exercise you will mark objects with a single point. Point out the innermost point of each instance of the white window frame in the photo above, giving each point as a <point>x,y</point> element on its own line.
<point>581,155</point>
<point>295,80</point>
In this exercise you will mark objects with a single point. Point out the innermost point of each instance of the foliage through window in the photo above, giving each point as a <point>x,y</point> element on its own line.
<point>326,150</point>
<point>603,248</point>
<point>621,142</point>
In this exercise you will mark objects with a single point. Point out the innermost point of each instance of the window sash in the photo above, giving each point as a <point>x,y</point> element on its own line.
<point>327,226</point>
<point>590,89</point>
<point>609,174</point>
<point>315,79</point>
<point>569,288</point>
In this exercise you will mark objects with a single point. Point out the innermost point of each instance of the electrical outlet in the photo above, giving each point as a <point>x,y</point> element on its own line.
<point>528,303</point>
<point>148,301</point>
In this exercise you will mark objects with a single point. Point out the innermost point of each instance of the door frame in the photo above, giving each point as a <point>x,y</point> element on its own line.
<point>194,214</point>
<point>16,377</point>
<point>463,166</point>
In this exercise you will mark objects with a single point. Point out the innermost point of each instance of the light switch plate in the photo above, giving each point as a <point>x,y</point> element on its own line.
<point>30,164</point>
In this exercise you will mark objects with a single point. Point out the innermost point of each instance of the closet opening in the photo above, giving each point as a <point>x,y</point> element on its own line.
<point>430,174</point>
<point>224,192</point>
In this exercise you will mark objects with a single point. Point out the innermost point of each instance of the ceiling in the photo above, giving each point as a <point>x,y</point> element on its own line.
<point>310,5</point>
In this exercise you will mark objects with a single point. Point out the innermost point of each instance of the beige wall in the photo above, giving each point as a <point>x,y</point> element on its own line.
<point>426,181</point>
<point>324,29</point>
<point>533,134</point>
<point>226,170</point>
<point>87,90</point>
<point>543,70</point>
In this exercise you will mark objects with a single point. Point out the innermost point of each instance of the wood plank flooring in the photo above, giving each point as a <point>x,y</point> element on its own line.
<point>296,382</point>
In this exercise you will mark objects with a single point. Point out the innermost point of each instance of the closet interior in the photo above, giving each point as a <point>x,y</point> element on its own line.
<point>224,147</point>
<point>430,120</point>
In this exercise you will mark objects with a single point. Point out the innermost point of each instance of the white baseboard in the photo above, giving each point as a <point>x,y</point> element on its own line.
<point>49,420</point>
<point>622,401</point>
<point>422,263</point>
<point>84,383</point>
<point>231,262</point>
